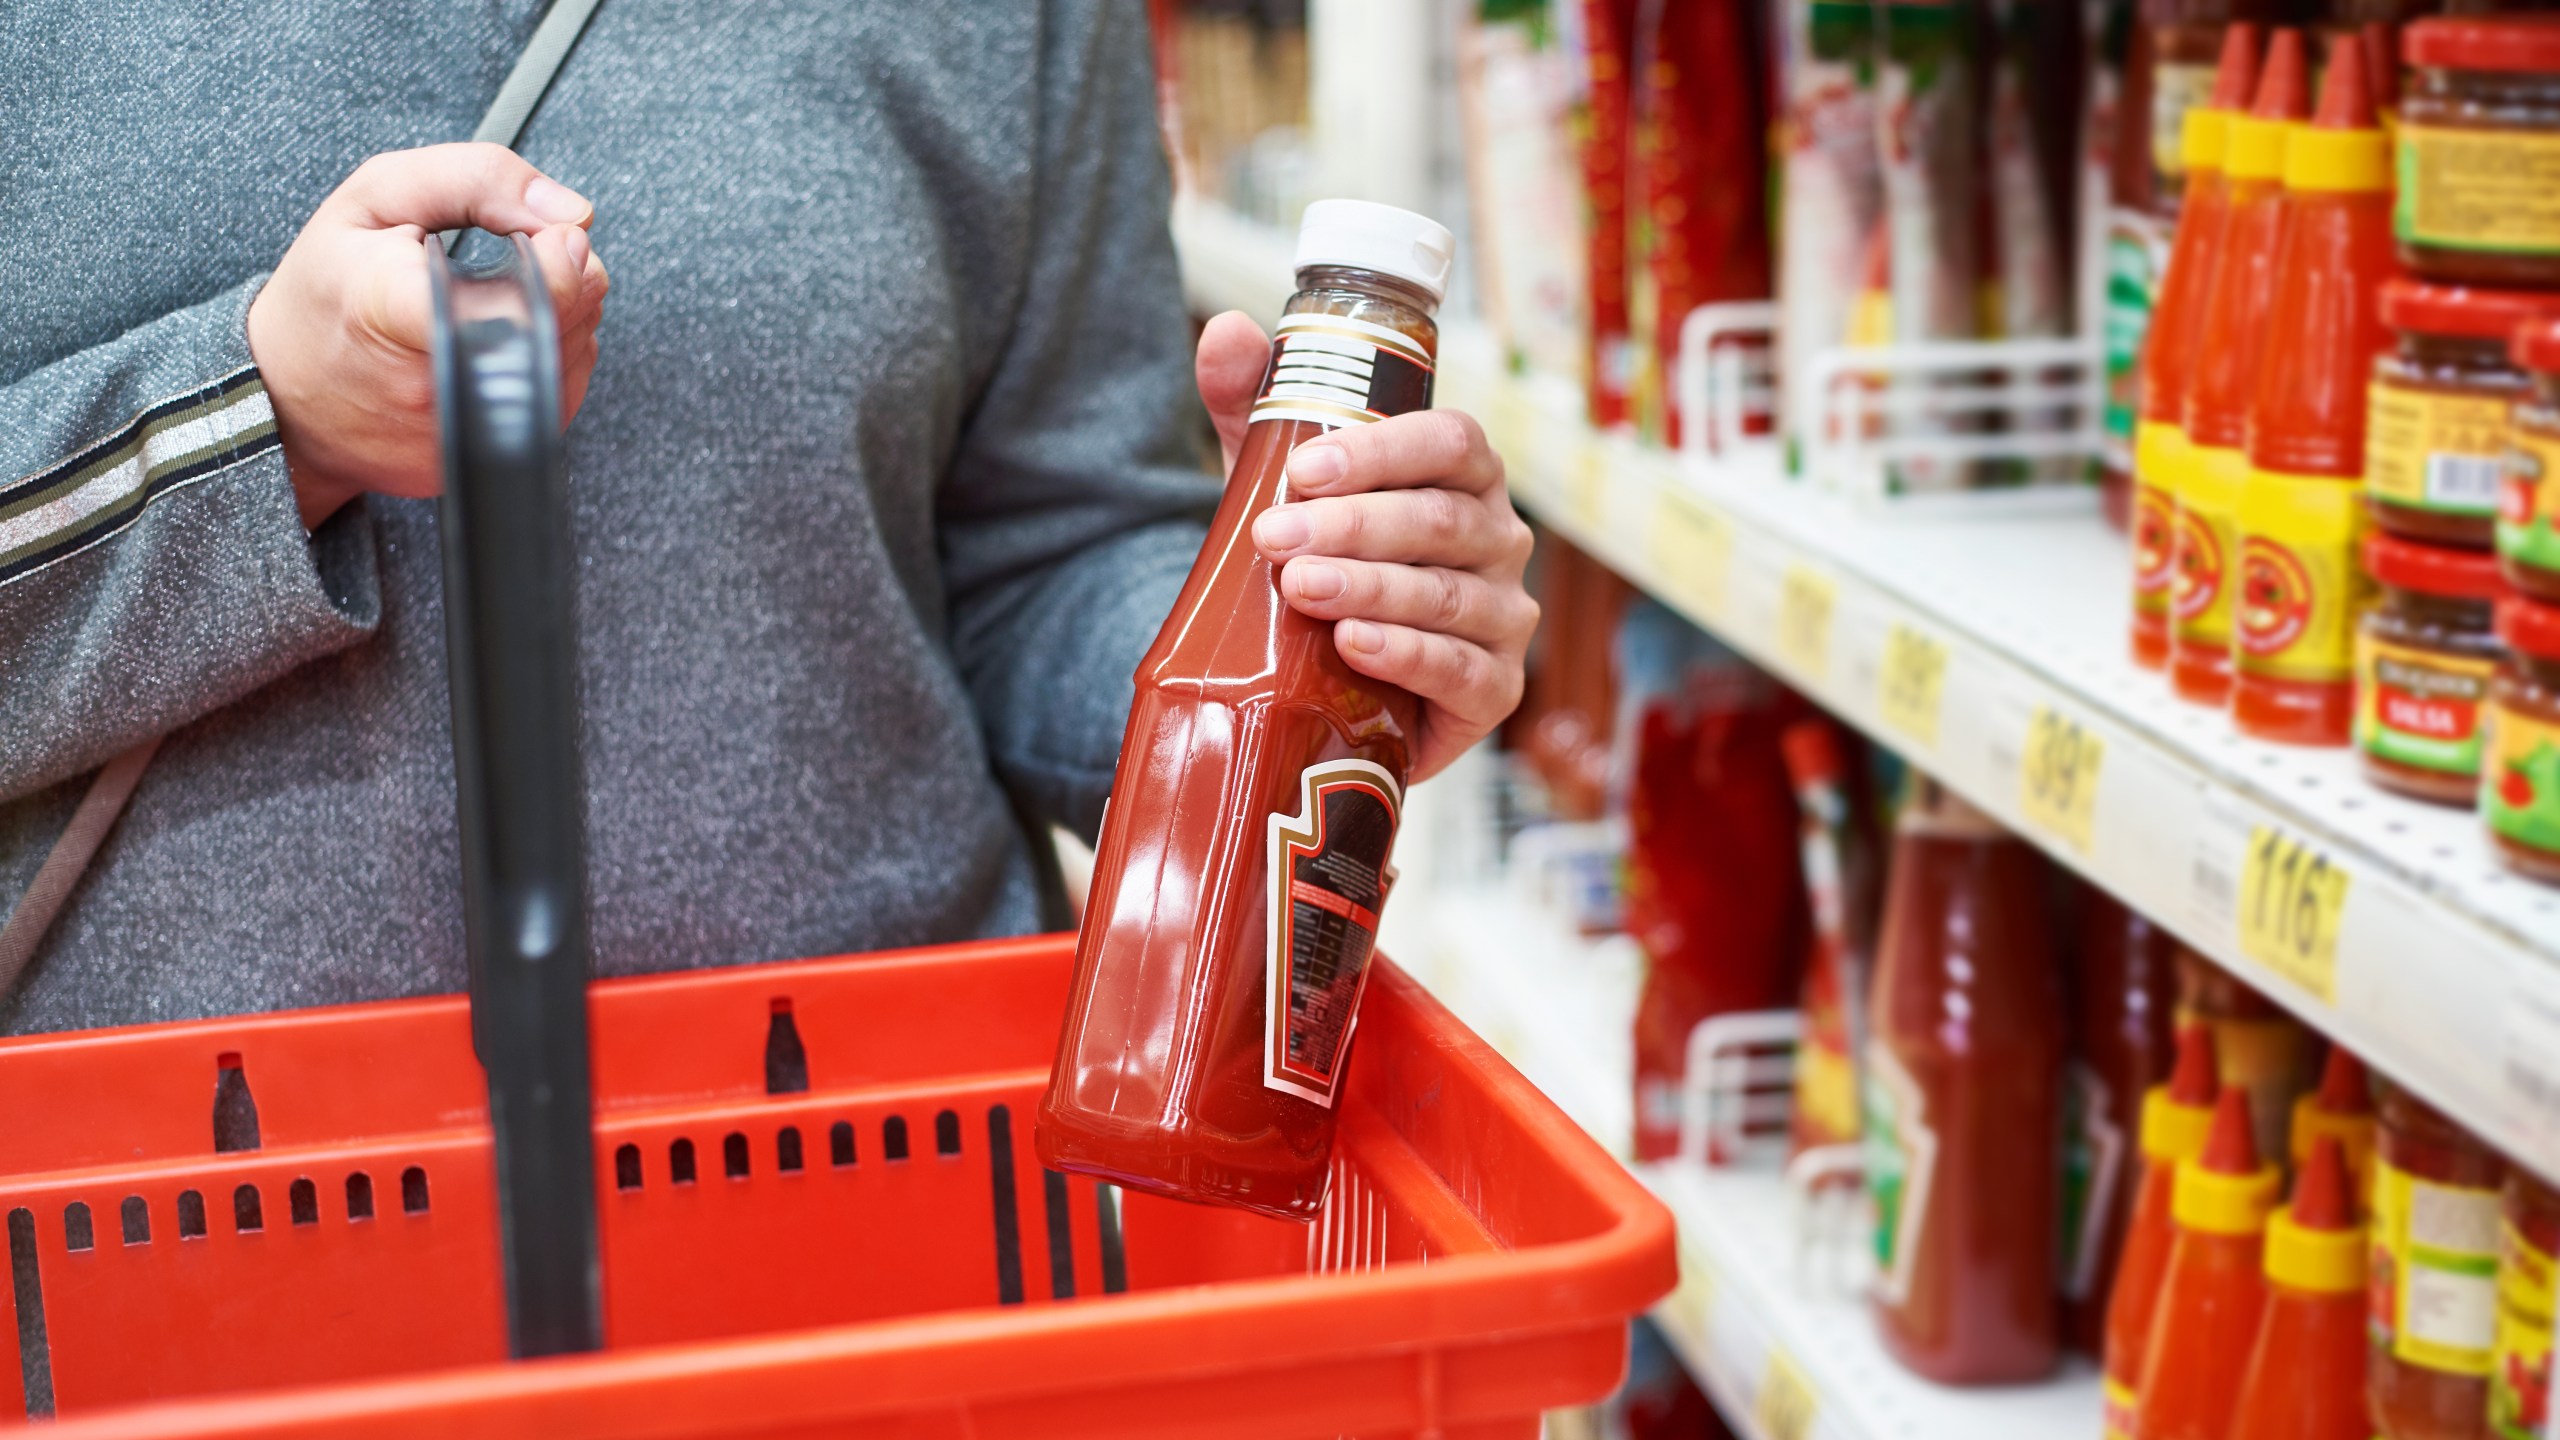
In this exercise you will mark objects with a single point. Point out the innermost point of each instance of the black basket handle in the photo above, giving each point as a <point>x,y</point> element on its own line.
<point>511,660</point>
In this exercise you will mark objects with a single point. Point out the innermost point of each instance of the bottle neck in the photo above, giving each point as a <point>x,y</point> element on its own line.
<point>1374,295</point>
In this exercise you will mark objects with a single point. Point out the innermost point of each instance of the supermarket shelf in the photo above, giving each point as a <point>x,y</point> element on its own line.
<point>1786,1354</point>
<point>1985,642</point>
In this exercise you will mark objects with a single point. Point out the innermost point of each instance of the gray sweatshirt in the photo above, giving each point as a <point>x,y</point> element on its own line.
<point>888,473</point>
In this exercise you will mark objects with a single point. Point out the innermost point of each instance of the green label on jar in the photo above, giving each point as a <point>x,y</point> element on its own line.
<point>2529,497</point>
<point>2520,779</point>
<point>2419,708</point>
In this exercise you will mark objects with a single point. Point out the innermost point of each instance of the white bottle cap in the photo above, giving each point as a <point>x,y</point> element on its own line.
<point>1368,236</point>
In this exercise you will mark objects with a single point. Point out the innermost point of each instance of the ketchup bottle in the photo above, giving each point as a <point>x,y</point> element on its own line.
<point>2168,351</point>
<point>2225,364</point>
<point>2175,1119</point>
<point>2215,1293</point>
<point>2302,514</point>
<point>1963,1107</point>
<point>2121,1047</point>
<point>2306,1373</point>
<point>1244,854</point>
<point>1826,1082</point>
<point>2340,1110</point>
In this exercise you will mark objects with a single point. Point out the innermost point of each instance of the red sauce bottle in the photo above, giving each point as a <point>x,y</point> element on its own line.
<point>2306,1373</point>
<point>1963,1107</point>
<point>1244,855</point>
<point>2225,367</point>
<point>2215,1294</point>
<point>2340,1110</point>
<point>2302,513</point>
<point>2168,351</point>
<point>2175,1120</point>
<point>1826,1080</point>
<point>2121,1046</point>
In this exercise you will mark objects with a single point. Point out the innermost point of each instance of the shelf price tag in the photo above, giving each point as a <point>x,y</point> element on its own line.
<point>1587,488</point>
<point>1693,1299</point>
<point>1805,602</point>
<point>2291,895</point>
<point>1691,550</point>
<point>2058,770</point>
<point>1787,1401</point>
<point>1911,682</point>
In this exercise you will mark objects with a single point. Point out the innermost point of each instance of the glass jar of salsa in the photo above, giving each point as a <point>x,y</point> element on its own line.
<point>2424,658</point>
<point>2436,421</point>
<point>2528,1251</point>
<point>2528,524</point>
<point>2520,764</point>
<point>2432,1272</point>
<point>2479,147</point>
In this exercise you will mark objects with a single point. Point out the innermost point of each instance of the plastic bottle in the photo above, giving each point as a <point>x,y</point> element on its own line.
<point>2432,1325</point>
<point>2528,1250</point>
<point>2305,1379</point>
<point>2257,1047</point>
<point>2341,1110</point>
<point>2124,990</point>
<point>1826,1079</point>
<point>2215,1293</point>
<point>1963,1101</point>
<point>1244,855</point>
<point>2302,516</point>
<point>2175,1120</point>
<point>2225,368</point>
<point>2168,353</point>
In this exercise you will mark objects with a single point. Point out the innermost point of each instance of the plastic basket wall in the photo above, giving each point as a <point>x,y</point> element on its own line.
<point>820,1214</point>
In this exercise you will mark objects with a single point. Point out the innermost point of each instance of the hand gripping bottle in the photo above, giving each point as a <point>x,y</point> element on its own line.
<point>1244,856</point>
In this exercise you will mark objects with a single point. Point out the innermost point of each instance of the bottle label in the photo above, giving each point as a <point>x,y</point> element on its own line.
<point>2465,189</point>
<point>2529,497</point>
<point>1335,370</point>
<point>2301,587</point>
<point>2434,1285</point>
<point>2093,1158</point>
<point>2135,258</point>
<point>2420,708</point>
<point>2177,86</point>
<point>1329,878</point>
<point>2520,1375</point>
<point>2120,1407</point>
<point>2425,450</point>
<point>1902,1151</point>
<point>2208,497</point>
<point>2520,778</point>
<point>2155,542</point>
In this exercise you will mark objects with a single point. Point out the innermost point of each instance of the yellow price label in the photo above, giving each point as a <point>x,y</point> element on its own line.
<point>1805,599</point>
<point>2058,777</point>
<point>1691,549</point>
<point>1693,1299</point>
<point>1912,681</point>
<point>1787,1403</point>
<point>1587,488</point>
<point>2291,896</point>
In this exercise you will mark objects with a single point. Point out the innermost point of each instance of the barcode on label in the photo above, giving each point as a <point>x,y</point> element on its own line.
<point>2466,480</point>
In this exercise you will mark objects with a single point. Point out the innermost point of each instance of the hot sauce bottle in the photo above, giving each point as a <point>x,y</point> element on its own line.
<point>1826,1081</point>
<point>2306,1373</point>
<point>2225,366</point>
<point>2175,1120</point>
<point>2432,1290</point>
<point>2340,1110</point>
<point>1244,855</point>
<point>2124,992</point>
<point>1963,1107</point>
<point>2168,352</point>
<point>2215,1293</point>
<point>2302,514</point>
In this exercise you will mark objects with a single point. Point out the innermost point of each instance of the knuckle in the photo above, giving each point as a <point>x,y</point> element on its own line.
<point>1442,514</point>
<point>1448,600</point>
<point>1451,439</point>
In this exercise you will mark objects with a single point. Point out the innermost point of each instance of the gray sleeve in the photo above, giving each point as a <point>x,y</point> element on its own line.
<point>1078,497</point>
<point>152,564</point>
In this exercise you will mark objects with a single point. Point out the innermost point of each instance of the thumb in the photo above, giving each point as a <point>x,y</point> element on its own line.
<point>1233,355</point>
<point>445,187</point>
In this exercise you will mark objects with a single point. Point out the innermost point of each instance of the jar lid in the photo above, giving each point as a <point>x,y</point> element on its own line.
<point>1365,235</point>
<point>2515,43</point>
<point>2530,626</point>
<point>2535,343</point>
<point>2432,569</point>
<point>2464,310</point>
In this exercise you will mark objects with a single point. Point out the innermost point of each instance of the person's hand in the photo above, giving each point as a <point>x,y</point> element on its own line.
<point>340,331</point>
<point>1402,535</point>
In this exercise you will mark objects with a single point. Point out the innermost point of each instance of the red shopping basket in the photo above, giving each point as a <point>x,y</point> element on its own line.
<point>819,1213</point>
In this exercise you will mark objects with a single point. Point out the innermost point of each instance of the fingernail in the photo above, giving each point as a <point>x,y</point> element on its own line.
<point>1316,465</point>
<point>1364,637</point>
<point>579,249</point>
<point>1315,580</point>
<point>556,202</point>
<point>1281,529</point>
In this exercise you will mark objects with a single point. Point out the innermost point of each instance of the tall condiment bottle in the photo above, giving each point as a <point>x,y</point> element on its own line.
<point>2176,1117</point>
<point>2215,1293</point>
<point>2225,369</point>
<point>2168,354</point>
<point>1244,855</point>
<point>2123,995</point>
<point>2305,1379</point>
<point>2302,516</point>
<point>2340,1110</point>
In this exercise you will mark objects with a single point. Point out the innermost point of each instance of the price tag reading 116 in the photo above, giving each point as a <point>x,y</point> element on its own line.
<point>1786,1403</point>
<point>2291,897</point>
<point>2058,777</point>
